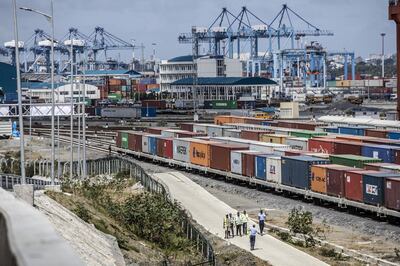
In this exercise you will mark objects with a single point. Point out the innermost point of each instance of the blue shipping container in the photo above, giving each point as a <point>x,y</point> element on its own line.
<point>374,188</point>
<point>148,112</point>
<point>260,162</point>
<point>331,129</point>
<point>386,153</point>
<point>394,135</point>
<point>152,145</point>
<point>296,170</point>
<point>359,131</point>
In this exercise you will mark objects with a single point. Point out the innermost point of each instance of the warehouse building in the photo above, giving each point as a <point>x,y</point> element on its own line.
<point>205,66</point>
<point>223,88</point>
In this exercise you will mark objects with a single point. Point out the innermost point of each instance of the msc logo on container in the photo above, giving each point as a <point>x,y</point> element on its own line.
<point>199,154</point>
<point>181,150</point>
<point>235,161</point>
<point>272,169</point>
<point>371,189</point>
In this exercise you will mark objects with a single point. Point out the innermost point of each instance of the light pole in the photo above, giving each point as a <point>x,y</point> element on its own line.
<point>21,120</point>
<point>72,110</point>
<point>383,54</point>
<point>51,19</point>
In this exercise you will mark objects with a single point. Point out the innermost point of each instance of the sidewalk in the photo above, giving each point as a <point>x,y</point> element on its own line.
<point>208,211</point>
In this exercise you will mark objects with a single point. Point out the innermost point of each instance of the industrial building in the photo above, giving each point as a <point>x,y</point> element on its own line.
<point>204,66</point>
<point>222,88</point>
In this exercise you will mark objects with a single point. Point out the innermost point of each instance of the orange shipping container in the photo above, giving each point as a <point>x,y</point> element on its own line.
<point>273,138</point>
<point>222,119</point>
<point>318,178</point>
<point>200,152</point>
<point>238,120</point>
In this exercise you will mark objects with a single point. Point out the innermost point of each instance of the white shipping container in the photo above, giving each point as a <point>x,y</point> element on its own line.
<point>281,131</point>
<point>374,82</point>
<point>280,151</point>
<point>357,83</point>
<point>298,143</point>
<point>200,128</point>
<point>230,140</point>
<point>274,169</point>
<point>171,133</point>
<point>145,143</point>
<point>216,130</point>
<point>232,133</point>
<point>236,162</point>
<point>266,147</point>
<point>181,149</point>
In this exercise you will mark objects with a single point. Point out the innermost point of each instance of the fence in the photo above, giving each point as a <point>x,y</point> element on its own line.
<point>108,166</point>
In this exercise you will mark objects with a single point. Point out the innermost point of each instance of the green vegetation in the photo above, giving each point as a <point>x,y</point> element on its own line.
<point>301,222</point>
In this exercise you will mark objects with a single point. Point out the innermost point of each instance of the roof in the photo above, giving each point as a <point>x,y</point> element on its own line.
<point>366,121</point>
<point>226,81</point>
<point>183,58</point>
<point>40,85</point>
<point>112,72</point>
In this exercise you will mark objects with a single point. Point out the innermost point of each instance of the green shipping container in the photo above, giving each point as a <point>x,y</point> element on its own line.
<point>114,96</point>
<point>307,134</point>
<point>352,160</point>
<point>221,104</point>
<point>124,140</point>
<point>331,83</point>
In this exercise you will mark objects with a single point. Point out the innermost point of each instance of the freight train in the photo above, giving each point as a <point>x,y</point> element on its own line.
<point>289,162</point>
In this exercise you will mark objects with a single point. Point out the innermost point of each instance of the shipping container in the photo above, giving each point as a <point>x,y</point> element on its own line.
<point>351,138</point>
<point>281,151</point>
<point>182,149</point>
<point>317,155</point>
<point>296,170</point>
<point>253,134</point>
<point>266,147</point>
<point>222,119</point>
<point>292,152</point>
<point>171,133</point>
<point>232,133</point>
<point>374,188</point>
<point>352,160</point>
<point>379,141</point>
<point>248,162</point>
<point>186,126</point>
<point>274,169</point>
<point>394,135</point>
<point>307,134</point>
<point>121,112</point>
<point>189,134</point>
<point>200,152</point>
<point>224,104</point>
<point>393,168</point>
<point>377,133</point>
<point>298,143</point>
<point>354,183</point>
<point>335,182</point>
<point>319,174</point>
<point>330,129</point>
<point>156,130</point>
<point>379,166</point>
<point>200,128</point>
<point>220,155</point>
<point>323,145</point>
<point>148,112</point>
<point>135,140</point>
<point>149,144</point>
<point>273,138</point>
<point>159,104</point>
<point>216,130</point>
<point>350,130</point>
<point>392,193</point>
<point>260,162</point>
<point>165,147</point>
<point>347,147</point>
<point>236,162</point>
<point>122,139</point>
<point>387,154</point>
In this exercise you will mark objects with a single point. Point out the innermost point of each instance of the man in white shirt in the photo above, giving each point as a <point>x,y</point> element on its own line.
<point>261,221</point>
<point>253,233</point>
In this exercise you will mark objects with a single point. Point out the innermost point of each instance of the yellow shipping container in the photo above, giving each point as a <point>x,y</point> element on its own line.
<point>343,83</point>
<point>274,138</point>
<point>200,152</point>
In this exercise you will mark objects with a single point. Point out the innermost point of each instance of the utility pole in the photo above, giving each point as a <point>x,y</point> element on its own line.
<point>84,115</point>
<point>20,117</point>
<point>394,14</point>
<point>383,54</point>
<point>72,112</point>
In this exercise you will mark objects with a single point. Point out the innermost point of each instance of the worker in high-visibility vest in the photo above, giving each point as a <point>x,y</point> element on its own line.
<point>238,224</point>
<point>245,219</point>
<point>226,226</point>
<point>232,222</point>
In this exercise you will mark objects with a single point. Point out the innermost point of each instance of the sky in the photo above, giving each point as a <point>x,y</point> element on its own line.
<point>357,24</point>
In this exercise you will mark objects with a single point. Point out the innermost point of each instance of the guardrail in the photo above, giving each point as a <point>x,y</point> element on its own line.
<point>7,181</point>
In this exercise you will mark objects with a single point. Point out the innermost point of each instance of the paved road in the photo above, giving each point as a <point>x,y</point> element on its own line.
<point>208,211</point>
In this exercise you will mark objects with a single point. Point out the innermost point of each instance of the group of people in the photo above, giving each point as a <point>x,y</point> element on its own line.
<point>239,222</point>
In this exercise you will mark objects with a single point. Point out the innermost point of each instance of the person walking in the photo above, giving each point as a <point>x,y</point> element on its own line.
<point>253,233</point>
<point>238,224</point>
<point>245,219</point>
<point>226,226</point>
<point>261,221</point>
<point>232,224</point>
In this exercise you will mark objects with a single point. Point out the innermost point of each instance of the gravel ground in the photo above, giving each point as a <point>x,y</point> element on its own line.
<point>251,199</point>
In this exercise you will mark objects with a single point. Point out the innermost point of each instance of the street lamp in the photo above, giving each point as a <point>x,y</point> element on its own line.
<point>50,18</point>
<point>383,54</point>
<point>21,120</point>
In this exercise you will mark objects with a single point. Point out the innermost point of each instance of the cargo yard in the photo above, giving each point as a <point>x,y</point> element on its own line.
<point>265,134</point>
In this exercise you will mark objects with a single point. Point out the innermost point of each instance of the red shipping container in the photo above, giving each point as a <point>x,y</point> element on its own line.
<point>292,152</point>
<point>335,181</point>
<point>354,184</point>
<point>392,193</point>
<point>220,155</point>
<point>156,130</point>
<point>345,147</point>
<point>135,141</point>
<point>377,133</point>
<point>382,141</point>
<point>377,166</point>
<point>322,145</point>
<point>248,163</point>
<point>186,126</point>
<point>165,147</point>
<point>351,138</point>
<point>253,134</point>
<point>118,140</point>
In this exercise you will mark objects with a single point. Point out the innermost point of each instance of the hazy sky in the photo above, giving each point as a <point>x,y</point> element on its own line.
<point>355,23</point>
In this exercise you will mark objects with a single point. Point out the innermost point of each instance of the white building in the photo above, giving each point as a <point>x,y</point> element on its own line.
<point>63,93</point>
<point>182,67</point>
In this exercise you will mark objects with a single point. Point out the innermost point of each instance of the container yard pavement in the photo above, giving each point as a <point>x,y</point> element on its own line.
<point>209,211</point>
